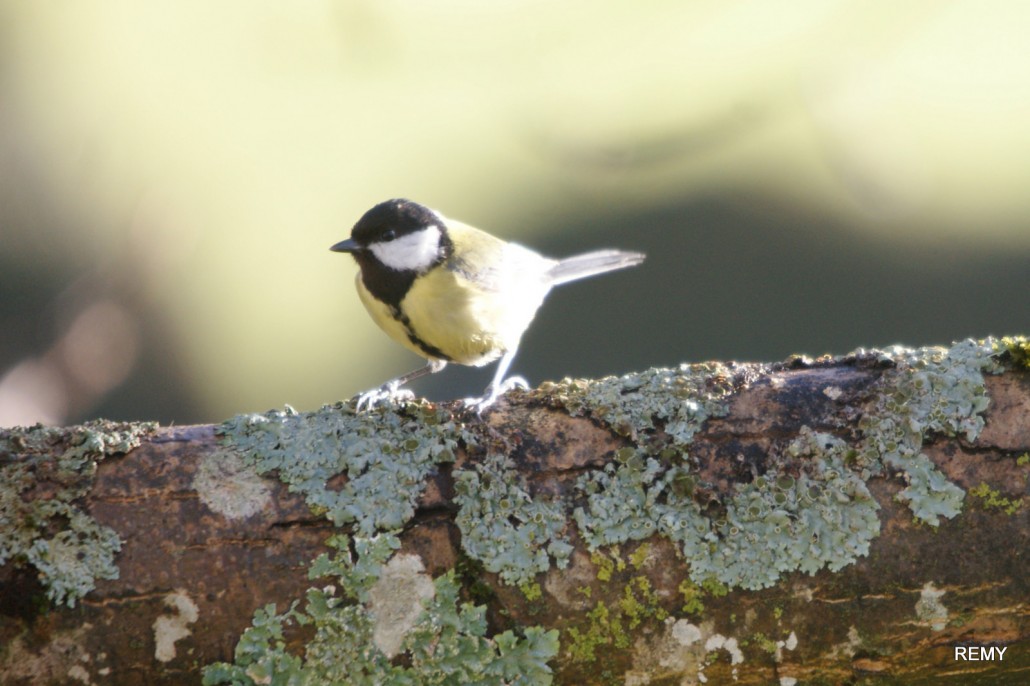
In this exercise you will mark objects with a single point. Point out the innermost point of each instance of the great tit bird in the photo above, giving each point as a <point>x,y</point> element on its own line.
<point>452,293</point>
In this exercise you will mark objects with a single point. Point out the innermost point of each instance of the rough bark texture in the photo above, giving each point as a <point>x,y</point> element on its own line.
<point>205,542</point>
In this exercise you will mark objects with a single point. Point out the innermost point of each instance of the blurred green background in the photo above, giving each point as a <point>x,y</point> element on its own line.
<point>806,177</point>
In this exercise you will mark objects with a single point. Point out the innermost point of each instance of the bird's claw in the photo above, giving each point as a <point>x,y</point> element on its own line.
<point>479,405</point>
<point>391,392</point>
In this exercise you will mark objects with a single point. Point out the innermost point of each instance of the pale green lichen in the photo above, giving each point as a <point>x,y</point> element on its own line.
<point>623,499</point>
<point>929,390</point>
<point>503,527</point>
<point>68,548</point>
<point>823,517</point>
<point>813,509</point>
<point>636,405</point>
<point>70,561</point>
<point>384,457</point>
<point>447,643</point>
<point>778,523</point>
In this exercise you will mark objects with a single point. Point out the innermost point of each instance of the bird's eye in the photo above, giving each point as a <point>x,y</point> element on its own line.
<point>389,235</point>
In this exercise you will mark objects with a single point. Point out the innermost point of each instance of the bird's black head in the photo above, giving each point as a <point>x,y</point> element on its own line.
<point>393,219</point>
<point>393,243</point>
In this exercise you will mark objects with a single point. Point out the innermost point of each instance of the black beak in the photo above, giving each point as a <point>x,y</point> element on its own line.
<point>346,246</point>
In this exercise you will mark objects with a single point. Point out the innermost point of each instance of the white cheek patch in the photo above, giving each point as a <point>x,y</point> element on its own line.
<point>414,252</point>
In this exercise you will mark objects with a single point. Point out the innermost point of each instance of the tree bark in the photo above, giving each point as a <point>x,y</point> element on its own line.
<point>925,556</point>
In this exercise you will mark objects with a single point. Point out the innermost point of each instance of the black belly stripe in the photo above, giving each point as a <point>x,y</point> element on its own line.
<point>428,349</point>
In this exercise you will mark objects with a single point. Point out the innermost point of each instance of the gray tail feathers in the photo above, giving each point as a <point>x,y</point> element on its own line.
<point>591,263</point>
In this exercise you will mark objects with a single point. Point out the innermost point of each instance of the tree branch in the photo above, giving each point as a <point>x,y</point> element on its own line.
<point>801,521</point>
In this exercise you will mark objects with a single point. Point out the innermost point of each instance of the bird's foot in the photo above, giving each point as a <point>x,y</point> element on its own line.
<point>479,405</point>
<point>387,392</point>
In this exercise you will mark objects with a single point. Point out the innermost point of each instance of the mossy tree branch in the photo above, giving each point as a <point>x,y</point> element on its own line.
<point>806,521</point>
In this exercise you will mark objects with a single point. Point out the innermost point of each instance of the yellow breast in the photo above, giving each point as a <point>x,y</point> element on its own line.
<point>471,317</point>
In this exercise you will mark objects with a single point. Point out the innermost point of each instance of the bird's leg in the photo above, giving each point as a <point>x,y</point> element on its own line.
<point>391,389</point>
<point>499,386</point>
